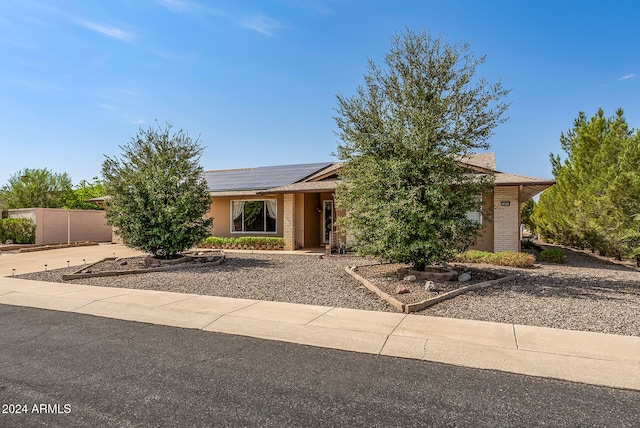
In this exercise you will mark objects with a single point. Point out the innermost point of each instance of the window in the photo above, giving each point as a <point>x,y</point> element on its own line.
<point>476,215</point>
<point>254,216</point>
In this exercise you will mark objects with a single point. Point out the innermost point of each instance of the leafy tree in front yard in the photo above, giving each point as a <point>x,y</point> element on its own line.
<point>158,197</point>
<point>403,136</point>
<point>36,188</point>
<point>83,191</point>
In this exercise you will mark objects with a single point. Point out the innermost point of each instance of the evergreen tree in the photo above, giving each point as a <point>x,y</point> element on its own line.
<point>595,196</point>
<point>403,135</point>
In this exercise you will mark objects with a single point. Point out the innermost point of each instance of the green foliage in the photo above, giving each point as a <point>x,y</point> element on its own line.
<point>18,230</point>
<point>552,256</point>
<point>83,191</point>
<point>158,196</point>
<point>403,135</point>
<point>526,213</point>
<point>503,258</point>
<point>597,186</point>
<point>216,241</point>
<point>36,188</point>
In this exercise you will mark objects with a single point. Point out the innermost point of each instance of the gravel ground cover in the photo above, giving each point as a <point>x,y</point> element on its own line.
<point>586,293</point>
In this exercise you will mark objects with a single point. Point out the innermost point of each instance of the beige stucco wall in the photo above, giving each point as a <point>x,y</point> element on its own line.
<point>506,236</point>
<point>484,242</point>
<point>221,213</point>
<point>58,226</point>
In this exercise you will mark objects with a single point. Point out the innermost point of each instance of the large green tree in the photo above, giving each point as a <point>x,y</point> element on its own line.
<point>36,188</point>
<point>597,185</point>
<point>403,135</point>
<point>84,191</point>
<point>158,197</point>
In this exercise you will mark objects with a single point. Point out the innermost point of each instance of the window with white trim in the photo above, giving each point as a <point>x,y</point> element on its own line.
<point>254,216</point>
<point>476,215</point>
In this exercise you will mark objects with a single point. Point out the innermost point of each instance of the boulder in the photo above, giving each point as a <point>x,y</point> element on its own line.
<point>409,278</point>
<point>430,286</point>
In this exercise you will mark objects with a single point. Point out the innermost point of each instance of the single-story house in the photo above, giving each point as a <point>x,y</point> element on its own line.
<point>296,202</point>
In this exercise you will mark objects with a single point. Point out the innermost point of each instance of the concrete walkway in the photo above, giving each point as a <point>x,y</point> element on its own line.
<point>594,358</point>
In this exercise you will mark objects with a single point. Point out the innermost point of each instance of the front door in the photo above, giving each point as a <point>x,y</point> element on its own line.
<point>327,221</point>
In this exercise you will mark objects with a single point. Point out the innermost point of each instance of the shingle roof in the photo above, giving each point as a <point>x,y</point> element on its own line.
<point>483,160</point>
<point>260,178</point>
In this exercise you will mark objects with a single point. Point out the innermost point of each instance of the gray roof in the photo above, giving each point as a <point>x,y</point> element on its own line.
<point>265,177</point>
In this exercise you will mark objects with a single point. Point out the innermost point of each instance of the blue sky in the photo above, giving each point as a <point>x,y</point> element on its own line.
<point>256,81</point>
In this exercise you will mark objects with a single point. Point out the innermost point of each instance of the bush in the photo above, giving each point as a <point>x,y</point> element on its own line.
<point>503,258</point>
<point>552,256</point>
<point>18,230</point>
<point>158,196</point>
<point>255,241</point>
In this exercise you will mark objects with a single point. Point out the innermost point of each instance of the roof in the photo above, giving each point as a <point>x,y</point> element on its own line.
<point>531,186</point>
<point>321,177</point>
<point>265,177</point>
<point>482,160</point>
<point>304,187</point>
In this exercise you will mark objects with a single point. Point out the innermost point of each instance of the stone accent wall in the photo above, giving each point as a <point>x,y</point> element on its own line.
<point>506,219</point>
<point>289,222</point>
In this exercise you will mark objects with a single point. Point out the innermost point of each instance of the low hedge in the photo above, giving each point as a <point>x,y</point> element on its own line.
<point>18,230</point>
<point>502,258</point>
<point>246,241</point>
<point>552,256</point>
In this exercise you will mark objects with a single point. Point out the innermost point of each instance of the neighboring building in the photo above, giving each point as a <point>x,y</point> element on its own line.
<point>59,226</point>
<point>296,202</point>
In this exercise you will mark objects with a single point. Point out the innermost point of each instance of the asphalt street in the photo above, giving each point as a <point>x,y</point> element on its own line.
<point>63,369</point>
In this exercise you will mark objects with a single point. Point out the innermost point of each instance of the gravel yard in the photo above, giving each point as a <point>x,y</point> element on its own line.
<point>584,294</point>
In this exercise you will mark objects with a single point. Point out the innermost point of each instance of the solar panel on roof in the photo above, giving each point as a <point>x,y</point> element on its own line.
<point>260,178</point>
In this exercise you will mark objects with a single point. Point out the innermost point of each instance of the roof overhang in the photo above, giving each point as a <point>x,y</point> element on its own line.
<point>304,187</point>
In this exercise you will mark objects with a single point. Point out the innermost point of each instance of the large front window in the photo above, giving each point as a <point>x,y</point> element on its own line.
<point>254,216</point>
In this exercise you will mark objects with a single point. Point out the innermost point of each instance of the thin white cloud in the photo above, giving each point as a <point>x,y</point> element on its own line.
<point>113,32</point>
<point>627,77</point>
<point>262,24</point>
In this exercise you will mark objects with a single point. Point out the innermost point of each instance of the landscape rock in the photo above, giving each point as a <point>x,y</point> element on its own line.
<point>464,277</point>
<point>430,286</point>
<point>409,278</point>
<point>401,289</point>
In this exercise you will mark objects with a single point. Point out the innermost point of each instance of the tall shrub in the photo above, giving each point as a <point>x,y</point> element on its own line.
<point>158,197</point>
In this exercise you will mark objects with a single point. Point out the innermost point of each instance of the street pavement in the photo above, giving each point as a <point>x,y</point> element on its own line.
<point>61,369</point>
<point>593,358</point>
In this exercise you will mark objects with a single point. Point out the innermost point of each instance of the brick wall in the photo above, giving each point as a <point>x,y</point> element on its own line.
<point>506,219</point>
<point>289,222</point>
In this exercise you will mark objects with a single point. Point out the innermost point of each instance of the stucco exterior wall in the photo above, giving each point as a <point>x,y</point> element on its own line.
<point>58,226</point>
<point>484,242</point>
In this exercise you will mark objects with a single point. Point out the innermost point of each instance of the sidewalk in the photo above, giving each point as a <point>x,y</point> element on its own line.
<point>594,358</point>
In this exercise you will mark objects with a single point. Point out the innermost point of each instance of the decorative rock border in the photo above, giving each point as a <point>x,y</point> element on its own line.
<point>413,307</point>
<point>182,263</point>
